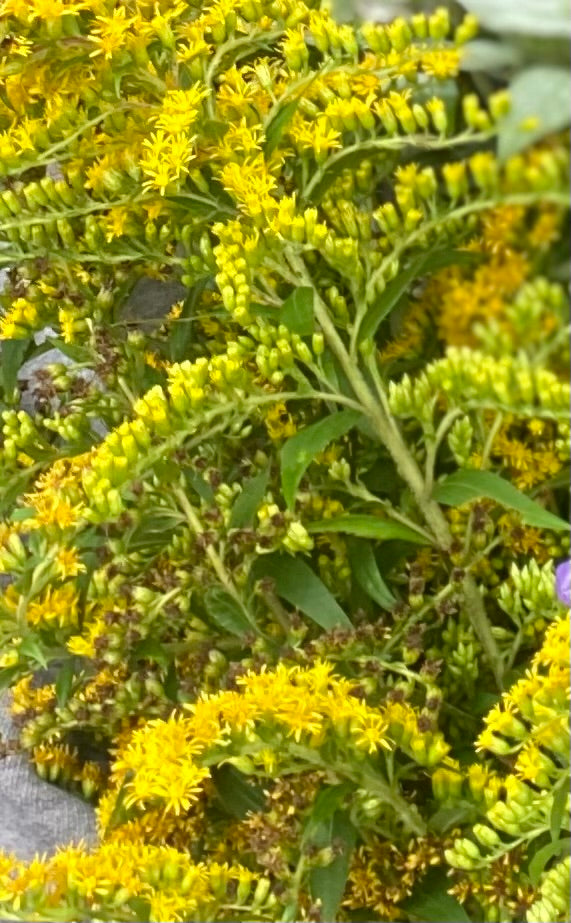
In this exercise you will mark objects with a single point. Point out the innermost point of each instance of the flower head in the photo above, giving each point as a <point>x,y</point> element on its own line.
<point>563,582</point>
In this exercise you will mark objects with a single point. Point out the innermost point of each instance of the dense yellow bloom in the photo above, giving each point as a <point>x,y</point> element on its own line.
<point>251,184</point>
<point>165,159</point>
<point>44,10</point>
<point>57,605</point>
<point>179,109</point>
<point>25,696</point>
<point>111,32</point>
<point>19,320</point>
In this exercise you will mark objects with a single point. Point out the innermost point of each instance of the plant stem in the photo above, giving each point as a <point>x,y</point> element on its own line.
<point>213,556</point>
<point>390,435</point>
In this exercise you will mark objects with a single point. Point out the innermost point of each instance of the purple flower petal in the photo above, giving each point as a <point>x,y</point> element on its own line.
<point>563,582</point>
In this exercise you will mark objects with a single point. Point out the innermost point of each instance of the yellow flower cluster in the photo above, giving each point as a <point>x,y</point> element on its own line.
<point>165,763</point>
<point>168,885</point>
<point>60,763</point>
<point>531,723</point>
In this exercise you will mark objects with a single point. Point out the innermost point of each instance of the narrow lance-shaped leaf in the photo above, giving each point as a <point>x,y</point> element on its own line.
<point>366,573</point>
<point>467,484</point>
<point>389,298</point>
<point>298,585</point>
<point>431,903</point>
<point>248,501</point>
<point>64,682</point>
<point>367,526</point>
<point>278,125</point>
<point>299,451</point>
<point>328,883</point>
<point>11,357</point>
<point>227,613</point>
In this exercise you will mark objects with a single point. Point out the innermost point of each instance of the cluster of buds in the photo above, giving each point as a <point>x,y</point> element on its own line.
<point>19,433</point>
<point>460,440</point>
<point>398,114</point>
<point>461,653</point>
<point>400,34</point>
<point>278,349</point>
<point>476,783</point>
<point>529,593</point>
<point>470,375</point>
<point>346,218</point>
<point>281,529</point>
<point>60,763</point>
<point>553,902</point>
<point>236,257</point>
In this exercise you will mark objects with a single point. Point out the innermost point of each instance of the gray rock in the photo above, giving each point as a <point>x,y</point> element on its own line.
<point>36,817</point>
<point>151,300</point>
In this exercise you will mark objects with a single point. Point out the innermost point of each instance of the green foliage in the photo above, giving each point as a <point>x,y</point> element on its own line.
<point>280,514</point>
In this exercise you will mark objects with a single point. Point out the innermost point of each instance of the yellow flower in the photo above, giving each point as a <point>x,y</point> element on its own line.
<point>19,320</point>
<point>165,159</point>
<point>279,422</point>
<point>68,564</point>
<point>58,604</point>
<point>318,136</point>
<point>25,697</point>
<point>110,35</point>
<point>251,184</point>
<point>180,108</point>
<point>115,221</point>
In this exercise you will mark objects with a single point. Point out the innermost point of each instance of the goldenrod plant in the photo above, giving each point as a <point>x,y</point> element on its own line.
<point>272,552</point>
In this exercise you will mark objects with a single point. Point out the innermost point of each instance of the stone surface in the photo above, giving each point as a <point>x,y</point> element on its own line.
<point>36,817</point>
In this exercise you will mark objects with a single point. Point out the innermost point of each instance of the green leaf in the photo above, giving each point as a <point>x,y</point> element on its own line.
<point>226,612</point>
<point>248,501</point>
<point>367,526</point>
<point>278,125</point>
<point>151,649</point>
<point>64,682</point>
<point>542,857</point>
<point>486,54</point>
<point>77,353</point>
<point>558,810</point>
<point>199,205</point>
<point>171,684</point>
<point>299,451</point>
<point>430,902</point>
<point>155,529</point>
<point>328,884</point>
<point>8,675</point>
<point>141,908</point>
<point>455,815</point>
<point>326,804</point>
<point>298,585</point>
<point>236,794</point>
<point>296,313</point>
<point>366,573</point>
<point>119,812</point>
<point>12,355</point>
<point>530,17</point>
<point>31,647</point>
<point>467,484</point>
<point>541,94</point>
<point>202,488</point>
<point>389,298</point>
<point>181,330</point>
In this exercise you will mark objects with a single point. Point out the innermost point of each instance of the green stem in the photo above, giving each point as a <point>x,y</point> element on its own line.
<point>196,526</point>
<point>389,434</point>
<point>423,142</point>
